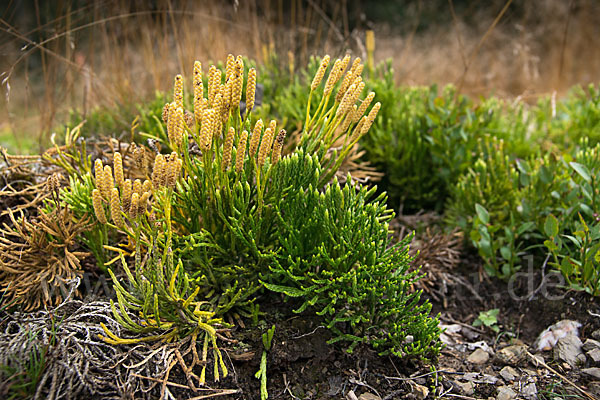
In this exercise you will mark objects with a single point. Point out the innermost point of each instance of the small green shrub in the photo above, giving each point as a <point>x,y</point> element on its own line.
<point>498,205</point>
<point>336,255</point>
<point>426,139</point>
<point>539,205</point>
<point>573,230</point>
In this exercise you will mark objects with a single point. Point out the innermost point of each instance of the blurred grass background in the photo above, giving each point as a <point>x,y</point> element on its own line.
<point>65,56</point>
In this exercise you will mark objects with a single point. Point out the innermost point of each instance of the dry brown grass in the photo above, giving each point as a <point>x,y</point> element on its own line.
<point>115,52</point>
<point>549,46</point>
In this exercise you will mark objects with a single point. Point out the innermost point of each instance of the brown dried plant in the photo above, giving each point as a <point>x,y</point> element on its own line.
<point>38,256</point>
<point>358,168</point>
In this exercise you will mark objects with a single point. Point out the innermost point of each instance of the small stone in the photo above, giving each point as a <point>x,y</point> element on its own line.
<point>368,396</point>
<point>594,354</point>
<point>596,334</point>
<point>590,345</point>
<point>594,372</point>
<point>568,349</point>
<point>449,334</point>
<point>549,337</point>
<point>529,391</point>
<point>477,377</point>
<point>509,373</point>
<point>479,356</point>
<point>351,395</point>
<point>512,355</point>
<point>466,388</point>
<point>480,345</point>
<point>506,393</point>
<point>470,334</point>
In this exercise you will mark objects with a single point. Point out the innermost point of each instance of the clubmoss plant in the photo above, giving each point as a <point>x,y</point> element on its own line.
<point>225,210</point>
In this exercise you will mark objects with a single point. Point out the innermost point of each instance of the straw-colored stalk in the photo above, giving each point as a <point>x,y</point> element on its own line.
<point>108,179</point>
<point>345,103</point>
<point>273,126</point>
<point>349,118</point>
<point>250,90</point>
<point>100,184</point>
<point>227,148</point>
<point>255,139</point>
<point>320,73</point>
<point>364,105</point>
<point>158,171</point>
<point>207,129</point>
<point>173,171</point>
<point>178,92</point>
<point>147,186</point>
<point>115,208</point>
<point>137,187</point>
<point>214,80</point>
<point>356,133</point>
<point>133,209</point>
<point>238,81</point>
<point>333,77</point>
<point>98,207</point>
<point>118,166</point>
<point>179,128</point>
<point>265,147</point>
<point>144,202</point>
<point>126,192</point>
<point>198,92</point>
<point>229,66</point>
<point>171,121</point>
<point>226,102</point>
<point>370,118</point>
<point>165,113</point>
<point>277,147</point>
<point>241,152</point>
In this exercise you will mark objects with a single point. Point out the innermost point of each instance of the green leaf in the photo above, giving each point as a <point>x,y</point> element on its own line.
<point>485,248</point>
<point>506,253</point>
<point>482,213</point>
<point>506,271</point>
<point>551,226</point>
<point>526,226</point>
<point>287,290</point>
<point>576,241</point>
<point>566,268</point>
<point>551,245</point>
<point>582,170</point>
